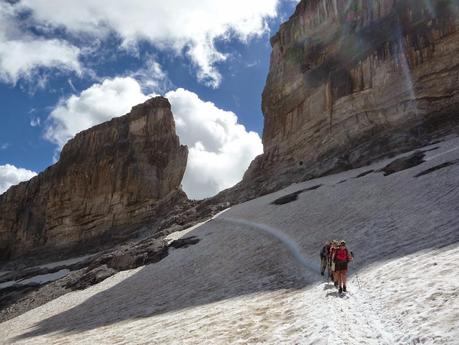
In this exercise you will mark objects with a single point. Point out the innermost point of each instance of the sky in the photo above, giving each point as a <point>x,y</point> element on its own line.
<point>66,66</point>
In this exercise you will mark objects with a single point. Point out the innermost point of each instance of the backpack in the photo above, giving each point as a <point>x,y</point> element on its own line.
<point>342,255</point>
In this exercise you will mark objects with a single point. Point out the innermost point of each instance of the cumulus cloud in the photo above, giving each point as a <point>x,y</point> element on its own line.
<point>21,54</point>
<point>97,104</point>
<point>181,26</point>
<point>10,175</point>
<point>220,149</point>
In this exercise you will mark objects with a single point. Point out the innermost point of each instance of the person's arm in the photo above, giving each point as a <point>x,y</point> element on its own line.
<point>350,256</point>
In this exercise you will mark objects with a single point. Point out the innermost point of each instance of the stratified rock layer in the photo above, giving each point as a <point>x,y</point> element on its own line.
<point>109,180</point>
<point>350,81</point>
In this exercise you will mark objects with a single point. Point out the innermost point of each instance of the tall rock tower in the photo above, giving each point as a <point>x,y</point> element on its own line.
<point>110,179</point>
<point>352,80</point>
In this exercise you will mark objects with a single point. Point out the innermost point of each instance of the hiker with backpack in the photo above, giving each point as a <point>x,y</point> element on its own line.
<point>331,263</point>
<point>324,257</point>
<point>341,258</point>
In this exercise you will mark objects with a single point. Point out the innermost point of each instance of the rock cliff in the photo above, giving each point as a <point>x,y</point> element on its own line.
<point>350,81</point>
<point>109,180</point>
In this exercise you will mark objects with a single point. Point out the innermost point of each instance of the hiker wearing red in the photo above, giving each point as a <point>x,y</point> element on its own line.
<point>341,257</point>
<point>331,254</point>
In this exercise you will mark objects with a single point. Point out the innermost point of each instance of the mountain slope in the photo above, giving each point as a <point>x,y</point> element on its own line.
<point>253,277</point>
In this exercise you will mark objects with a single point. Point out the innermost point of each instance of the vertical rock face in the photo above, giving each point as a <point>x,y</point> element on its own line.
<point>351,80</point>
<point>109,180</point>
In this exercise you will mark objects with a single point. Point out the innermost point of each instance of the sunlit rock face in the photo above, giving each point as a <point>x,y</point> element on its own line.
<point>110,179</point>
<point>352,80</point>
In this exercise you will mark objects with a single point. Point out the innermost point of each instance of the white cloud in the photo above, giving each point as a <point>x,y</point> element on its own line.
<point>97,104</point>
<point>19,59</point>
<point>152,77</point>
<point>21,53</point>
<point>10,175</point>
<point>177,25</point>
<point>35,122</point>
<point>220,148</point>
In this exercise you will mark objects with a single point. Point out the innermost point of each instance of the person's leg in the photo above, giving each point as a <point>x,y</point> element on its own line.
<point>323,264</point>
<point>344,279</point>
<point>340,281</point>
<point>330,273</point>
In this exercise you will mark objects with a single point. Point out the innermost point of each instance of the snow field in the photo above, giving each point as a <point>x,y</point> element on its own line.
<point>253,279</point>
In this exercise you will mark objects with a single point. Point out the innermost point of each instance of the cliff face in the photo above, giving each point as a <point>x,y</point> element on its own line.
<point>351,80</point>
<point>109,180</point>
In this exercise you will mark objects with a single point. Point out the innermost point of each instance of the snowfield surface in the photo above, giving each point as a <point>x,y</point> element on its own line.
<point>253,278</point>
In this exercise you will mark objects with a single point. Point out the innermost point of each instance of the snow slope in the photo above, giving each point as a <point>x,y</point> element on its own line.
<point>253,278</point>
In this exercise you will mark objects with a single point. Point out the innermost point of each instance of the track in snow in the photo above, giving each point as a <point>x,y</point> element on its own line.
<point>351,318</point>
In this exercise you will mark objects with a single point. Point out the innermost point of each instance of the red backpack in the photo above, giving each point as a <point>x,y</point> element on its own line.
<point>342,254</point>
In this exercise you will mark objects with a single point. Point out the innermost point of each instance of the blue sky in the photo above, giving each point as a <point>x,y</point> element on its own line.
<point>66,67</point>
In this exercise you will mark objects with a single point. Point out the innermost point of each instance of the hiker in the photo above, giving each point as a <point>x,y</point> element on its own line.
<point>341,257</point>
<point>324,257</point>
<point>331,263</point>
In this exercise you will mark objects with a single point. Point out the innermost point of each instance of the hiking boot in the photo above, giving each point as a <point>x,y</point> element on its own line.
<point>344,288</point>
<point>340,290</point>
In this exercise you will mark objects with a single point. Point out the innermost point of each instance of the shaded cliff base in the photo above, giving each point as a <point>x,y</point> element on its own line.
<point>270,172</point>
<point>25,286</point>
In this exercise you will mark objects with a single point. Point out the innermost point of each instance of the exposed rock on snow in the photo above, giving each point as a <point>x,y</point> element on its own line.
<point>293,196</point>
<point>437,167</point>
<point>184,242</point>
<point>243,283</point>
<point>109,181</point>
<point>91,277</point>
<point>404,163</point>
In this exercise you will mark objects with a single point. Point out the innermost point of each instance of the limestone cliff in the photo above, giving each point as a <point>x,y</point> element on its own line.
<point>109,180</point>
<point>352,80</point>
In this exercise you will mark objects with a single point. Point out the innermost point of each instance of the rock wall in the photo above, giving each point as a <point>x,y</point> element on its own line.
<point>351,80</point>
<point>109,180</point>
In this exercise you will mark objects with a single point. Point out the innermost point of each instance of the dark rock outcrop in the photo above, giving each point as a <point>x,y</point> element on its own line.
<point>109,180</point>
<point>184,242</point>
<point>404,163</point>
<point>351,82</point>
